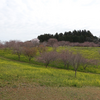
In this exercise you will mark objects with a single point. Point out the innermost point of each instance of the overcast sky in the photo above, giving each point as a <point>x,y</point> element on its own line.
<point>26,19</point>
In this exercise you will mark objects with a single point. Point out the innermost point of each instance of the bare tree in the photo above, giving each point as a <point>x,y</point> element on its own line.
<point>1,45</point>
<point>52,41</point>
<point>28,44</point>
<point>41,48</point>
<point>55,46</point>
<point>18,49</point>
<point>9,44</point>
<point>35,42</point>
<point>86,63</point>
<point>30,52</point>
<point>76,60</point>
<point>62,43</point>
<point>44,43</point>
<point>94,62</point>
<point>65,56</point>
<point>47,57</point>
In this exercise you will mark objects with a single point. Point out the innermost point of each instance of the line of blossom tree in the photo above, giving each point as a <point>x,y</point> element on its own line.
<point>74,36</point>
<point>55,43</point>
<point>27,48</point>
<point>68,58</point>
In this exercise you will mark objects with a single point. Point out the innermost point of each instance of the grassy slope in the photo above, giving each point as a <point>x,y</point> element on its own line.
<point>87,52</point>
<point>12,72</point>
<point>23,81</point>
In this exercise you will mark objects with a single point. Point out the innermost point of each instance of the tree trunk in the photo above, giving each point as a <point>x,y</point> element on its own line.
<point>84,67</point>
<point>68,66</point>
<point>47,65</point>
<point>19,57</point>
<point>75,73</point>
<point>29,59</point>
<point>65,65</point>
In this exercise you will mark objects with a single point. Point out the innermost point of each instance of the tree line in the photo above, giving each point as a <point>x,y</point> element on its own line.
<point>68,59</point>
<point>74,36</point>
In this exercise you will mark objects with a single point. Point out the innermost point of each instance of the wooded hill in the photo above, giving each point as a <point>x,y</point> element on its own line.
<point>74,36</point>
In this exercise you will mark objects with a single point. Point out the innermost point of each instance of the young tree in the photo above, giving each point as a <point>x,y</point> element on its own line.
<point>94,62</point>
<point>85,63</point>
<point>30,52</point>
<point>1,45</point>
<point>65,56</point>
<point>47,57</point>
<point>52,41</point>
<point>9,44</point>
<point>62,43</point>
<point>41,48</point>
<point>28,44</point>
<point>76,60</point>
<point>18,49</point>
<point>55,46</point>
<point>35,42</point>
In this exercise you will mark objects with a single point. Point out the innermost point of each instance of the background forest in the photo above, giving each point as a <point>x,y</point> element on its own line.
<point>74,36</point>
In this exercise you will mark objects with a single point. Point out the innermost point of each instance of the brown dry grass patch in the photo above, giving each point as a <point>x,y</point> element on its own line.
<point>36,92</point>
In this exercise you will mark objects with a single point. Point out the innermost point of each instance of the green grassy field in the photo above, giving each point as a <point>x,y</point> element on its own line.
<point>21,80</point>
<point>11,72</point>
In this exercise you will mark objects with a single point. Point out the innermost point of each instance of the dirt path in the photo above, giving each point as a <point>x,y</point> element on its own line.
<point>34,92</point>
